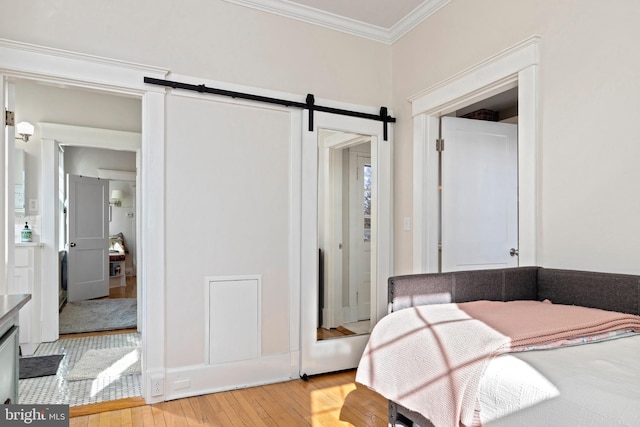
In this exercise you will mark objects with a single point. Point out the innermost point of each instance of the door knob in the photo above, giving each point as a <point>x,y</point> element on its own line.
<point>73,245</point>
<point>513,252</point>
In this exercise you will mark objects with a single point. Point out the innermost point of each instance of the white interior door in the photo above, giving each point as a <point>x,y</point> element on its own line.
<point>87,238</point>
<point>479,194</point>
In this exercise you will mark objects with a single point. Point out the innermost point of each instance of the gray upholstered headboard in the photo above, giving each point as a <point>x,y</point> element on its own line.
<point>608,291</point>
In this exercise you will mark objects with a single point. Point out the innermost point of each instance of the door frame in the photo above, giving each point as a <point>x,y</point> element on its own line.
<point>54,135</point>
<point>516,66</point>
<point>31,62</point>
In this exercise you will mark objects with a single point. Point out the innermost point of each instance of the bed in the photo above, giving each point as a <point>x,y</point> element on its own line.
<point>445,356</point>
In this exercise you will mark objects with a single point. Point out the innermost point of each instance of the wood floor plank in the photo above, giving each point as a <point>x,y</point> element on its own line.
<point>93,420</point>
<point>147,416</point>
<point>137,417</point>
<point>245,400</point>
<point>294,403</point>
<point>193,416</point>
<point>225,412</point>
<point>158,416</point>
<point>279,409</point>
<point>105,419</point>
<point>173,414</point>
<point>201,405</point>
<point>78,422</point>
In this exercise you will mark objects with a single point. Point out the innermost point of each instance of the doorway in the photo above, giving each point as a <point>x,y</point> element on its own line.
<point>45,177</point>
<point>124,79</point>
<point>515,67</point>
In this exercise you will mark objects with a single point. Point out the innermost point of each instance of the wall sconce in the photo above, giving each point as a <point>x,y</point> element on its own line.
<point>116,198</point>
<point>25,130</point>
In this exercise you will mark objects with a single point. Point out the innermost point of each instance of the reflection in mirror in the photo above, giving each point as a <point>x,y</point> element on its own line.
<point>19,181</point>
<point>344,234</point>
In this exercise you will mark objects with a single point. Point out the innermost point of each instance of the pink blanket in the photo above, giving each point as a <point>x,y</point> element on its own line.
<point>430,358</point>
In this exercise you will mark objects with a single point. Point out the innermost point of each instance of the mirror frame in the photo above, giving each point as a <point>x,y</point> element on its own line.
<point>318,356</point>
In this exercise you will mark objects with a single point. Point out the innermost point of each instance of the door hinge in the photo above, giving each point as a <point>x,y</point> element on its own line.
<point>439,145</point>
<point>9,118</point>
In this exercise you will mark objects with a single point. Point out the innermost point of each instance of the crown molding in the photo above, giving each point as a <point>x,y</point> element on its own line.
<point>66,54</point>
<point>411,20</point>
<point>346,25</point>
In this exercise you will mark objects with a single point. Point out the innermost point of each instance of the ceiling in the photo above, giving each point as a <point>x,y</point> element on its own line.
<point>381,20</point>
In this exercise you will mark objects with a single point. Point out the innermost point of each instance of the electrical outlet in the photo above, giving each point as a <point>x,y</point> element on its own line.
<point>33,205</point>
<point>157,386</point>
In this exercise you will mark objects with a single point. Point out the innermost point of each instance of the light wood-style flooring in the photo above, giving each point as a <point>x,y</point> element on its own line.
<point>324,400</point>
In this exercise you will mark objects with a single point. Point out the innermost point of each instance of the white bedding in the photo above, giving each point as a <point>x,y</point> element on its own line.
<point>595,384</point>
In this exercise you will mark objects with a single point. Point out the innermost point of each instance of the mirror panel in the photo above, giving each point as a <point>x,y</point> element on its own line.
<point>344,234</point>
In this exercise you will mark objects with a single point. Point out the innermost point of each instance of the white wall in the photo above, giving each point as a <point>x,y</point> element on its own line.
<point>589,103</point>
<point>211,39</point>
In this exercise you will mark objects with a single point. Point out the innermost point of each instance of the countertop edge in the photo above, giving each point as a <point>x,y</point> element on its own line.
<point>11,304</point>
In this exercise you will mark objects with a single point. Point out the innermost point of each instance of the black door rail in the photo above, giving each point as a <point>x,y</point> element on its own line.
<point>310,104</point>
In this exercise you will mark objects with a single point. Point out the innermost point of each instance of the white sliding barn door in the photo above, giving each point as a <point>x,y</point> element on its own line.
<point>318,356</point>
<point>232,241</point>
<point>479,194</point>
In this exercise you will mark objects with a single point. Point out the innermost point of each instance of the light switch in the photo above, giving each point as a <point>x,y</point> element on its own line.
<point>407,223</point>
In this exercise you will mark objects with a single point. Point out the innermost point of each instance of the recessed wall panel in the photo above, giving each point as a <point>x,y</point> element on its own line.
<point>234,330</point>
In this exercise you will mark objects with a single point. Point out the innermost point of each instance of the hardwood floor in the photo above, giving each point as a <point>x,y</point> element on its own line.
<point>325,400</point>
<point>128,291</point>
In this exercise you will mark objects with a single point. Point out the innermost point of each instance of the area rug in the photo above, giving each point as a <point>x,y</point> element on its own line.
<point>39,366</point>
<point>98,315</point>
<point>106,363</point>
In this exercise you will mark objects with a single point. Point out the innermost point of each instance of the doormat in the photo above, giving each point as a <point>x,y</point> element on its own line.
<point>98,315</point>
<point>39,366</point>
<point>106,363</point>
